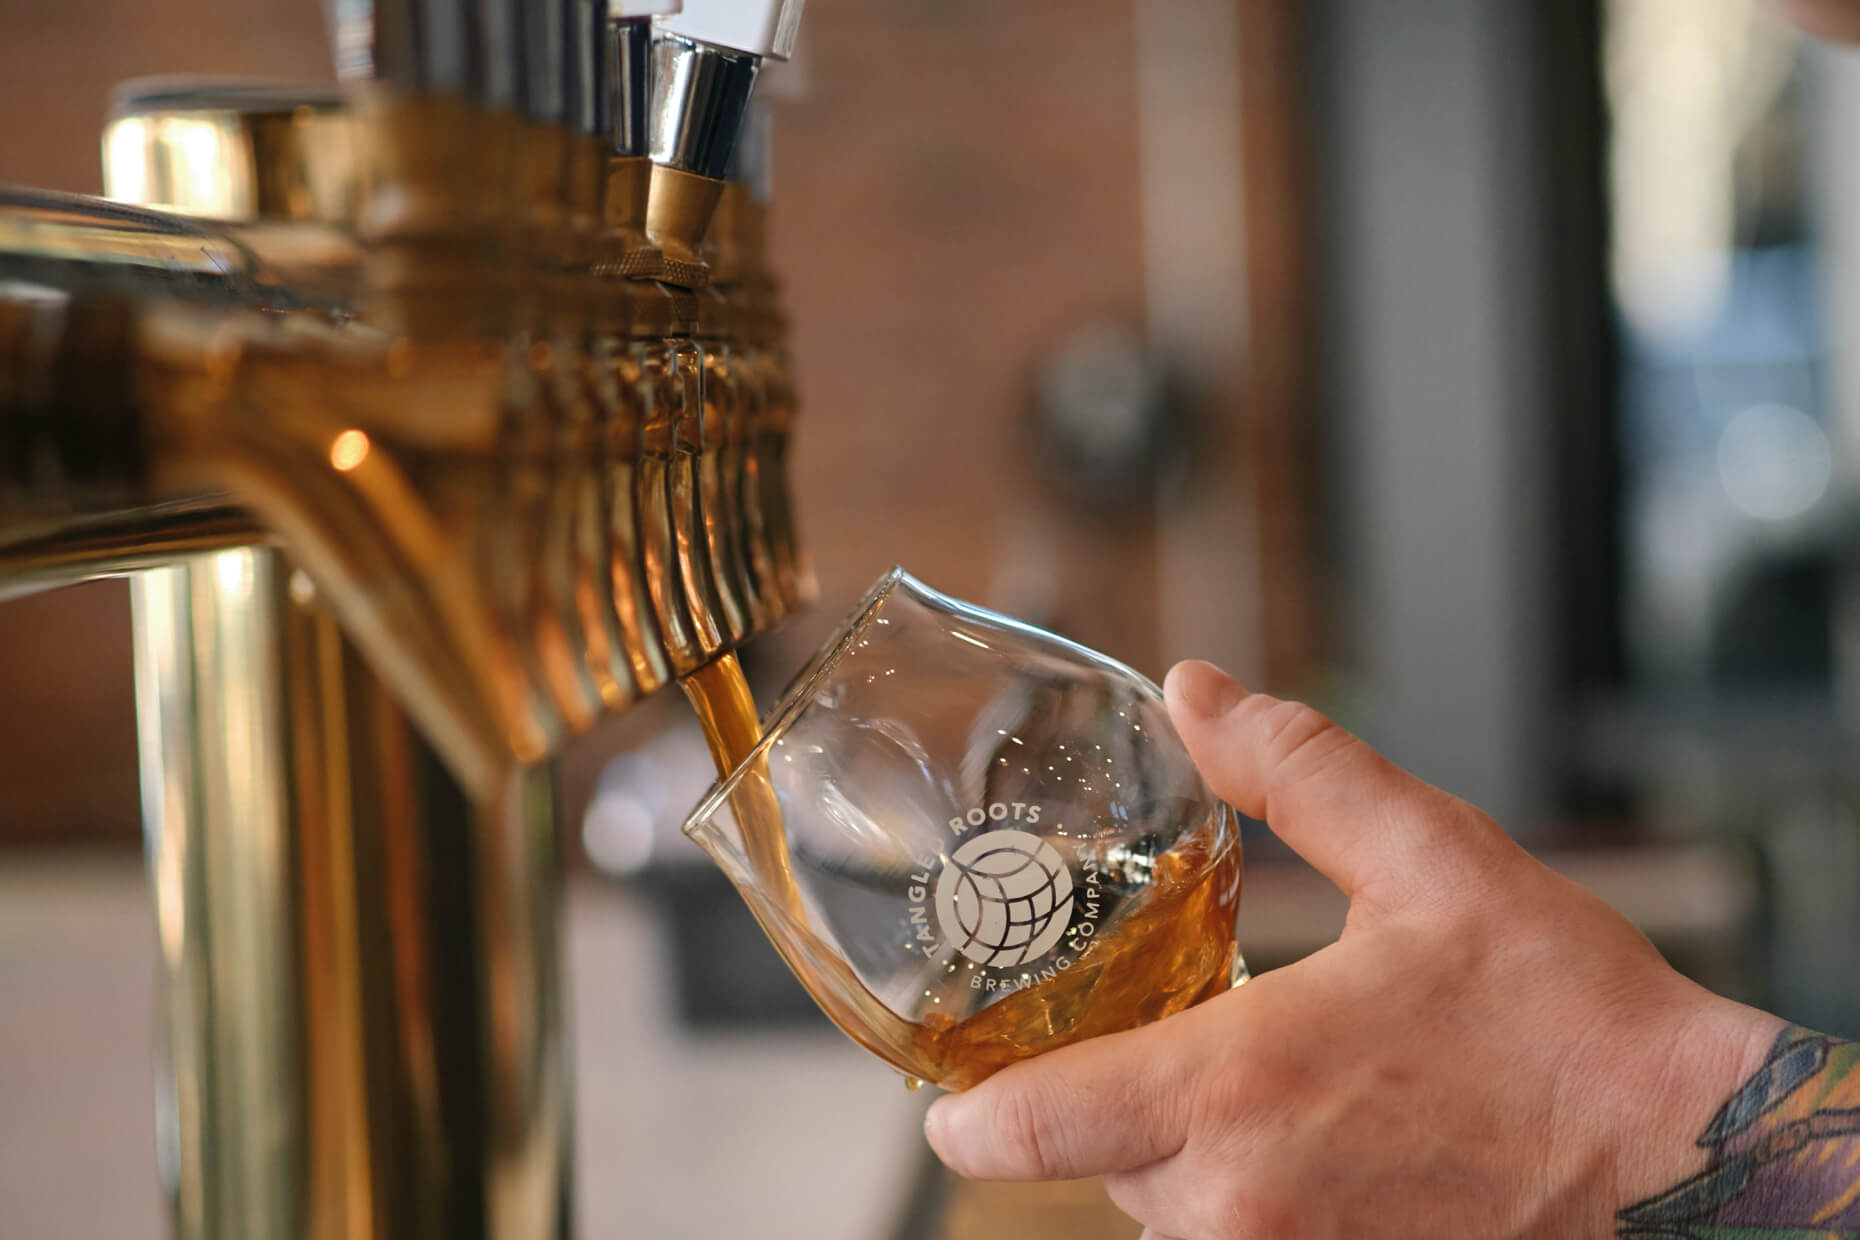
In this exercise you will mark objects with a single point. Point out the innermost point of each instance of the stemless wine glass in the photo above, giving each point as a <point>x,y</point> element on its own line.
<point>974,841</point>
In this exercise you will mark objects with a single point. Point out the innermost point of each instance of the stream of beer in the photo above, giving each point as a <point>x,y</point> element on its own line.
<point>726,711</point>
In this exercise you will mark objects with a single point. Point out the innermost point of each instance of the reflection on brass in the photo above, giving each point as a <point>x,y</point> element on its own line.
<point>756,342</point>
<point>233,151</point>
<point>424,456</point>
<point>725,406</point>
<point>122,543</point>
<point>629,179</point>
<point>678,212</point>
<point>662,505</point>
<point>217,807</point>
<point>681,386</point>
<point>361,967</point>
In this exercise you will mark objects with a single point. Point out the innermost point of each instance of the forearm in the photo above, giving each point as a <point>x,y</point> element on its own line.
<point>1781,1157</point>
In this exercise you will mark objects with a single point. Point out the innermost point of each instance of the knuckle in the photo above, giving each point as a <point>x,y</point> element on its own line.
<point>1300,740</point>
<point>1030,1133</point>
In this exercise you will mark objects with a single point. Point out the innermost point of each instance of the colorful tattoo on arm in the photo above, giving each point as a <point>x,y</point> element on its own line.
<point>1784,1155</point>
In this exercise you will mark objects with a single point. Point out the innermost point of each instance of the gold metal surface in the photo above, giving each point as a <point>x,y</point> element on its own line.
<point>435,224</point>
<point>232,152</point>
<point>418,1091</point>
<point>559,184</point>
<point>122,542</point>
<point>743,471</point>
<point>362,967</point>
<point>716,615</point>
<point>751,343</point>
<point>628,251</point>
<point>678,212</point>
<point>676,562</point>
<point>51,233</point>
<point>416,478</point>
<point>432,959</point>
<point>216,808</point>
<point>724,411</point>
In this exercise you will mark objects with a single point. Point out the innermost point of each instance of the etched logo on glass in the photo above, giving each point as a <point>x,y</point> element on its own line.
<point>1004,898</point>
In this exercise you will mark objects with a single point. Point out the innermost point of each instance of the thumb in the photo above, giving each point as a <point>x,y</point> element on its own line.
<point>1361,820</point>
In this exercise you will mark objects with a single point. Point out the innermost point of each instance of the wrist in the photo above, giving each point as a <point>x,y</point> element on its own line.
<point>1684,1057</point>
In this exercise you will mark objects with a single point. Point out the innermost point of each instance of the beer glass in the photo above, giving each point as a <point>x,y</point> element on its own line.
<point>974,841</point>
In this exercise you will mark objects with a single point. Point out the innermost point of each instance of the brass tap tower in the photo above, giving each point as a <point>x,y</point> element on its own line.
<point>430,428</point>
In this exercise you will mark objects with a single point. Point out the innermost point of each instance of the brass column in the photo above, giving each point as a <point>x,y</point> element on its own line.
<point>362,976</point>
<point>362,981</point>
<point>217,811</point>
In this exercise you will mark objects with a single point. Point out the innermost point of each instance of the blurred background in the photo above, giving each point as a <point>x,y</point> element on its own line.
<point>1488,374</point>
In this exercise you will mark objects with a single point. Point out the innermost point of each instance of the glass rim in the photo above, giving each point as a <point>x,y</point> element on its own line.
<point>799,692</point>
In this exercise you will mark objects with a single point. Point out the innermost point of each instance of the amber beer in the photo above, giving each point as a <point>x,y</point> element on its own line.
<point>1173,952</point>
<point>1177,951</point>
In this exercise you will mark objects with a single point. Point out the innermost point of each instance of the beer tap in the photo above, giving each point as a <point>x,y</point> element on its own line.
<point>410,455</point>
<point>705,64</point>
<point>739,259</point>
<point>629,126</point>
<point>657,370</point>
<point>734,397</point>
<point>654,371</point>
<point>548,408</point>
<point>704,67</point>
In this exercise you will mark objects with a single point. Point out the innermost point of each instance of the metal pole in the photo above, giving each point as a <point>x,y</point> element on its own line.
<point>363,973</point>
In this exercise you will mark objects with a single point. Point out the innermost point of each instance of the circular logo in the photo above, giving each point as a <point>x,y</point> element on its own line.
<point>1005,898</point>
